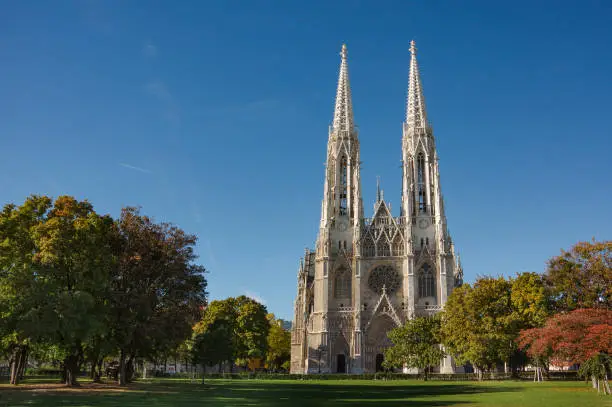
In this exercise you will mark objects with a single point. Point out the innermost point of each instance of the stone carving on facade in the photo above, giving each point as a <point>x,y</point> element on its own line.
<point>384,306</point>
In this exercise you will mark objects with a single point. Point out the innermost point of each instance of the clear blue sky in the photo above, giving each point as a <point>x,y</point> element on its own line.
<point>214,116</point>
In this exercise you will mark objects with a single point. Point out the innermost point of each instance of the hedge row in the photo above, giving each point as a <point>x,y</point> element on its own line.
<point>553,375</point>
<point>32,371</point>
<point>43,372</point>
<point>564,375</point>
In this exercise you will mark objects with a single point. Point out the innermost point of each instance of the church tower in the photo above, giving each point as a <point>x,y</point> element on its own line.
<point>368,275</point>
<point>432,259</point>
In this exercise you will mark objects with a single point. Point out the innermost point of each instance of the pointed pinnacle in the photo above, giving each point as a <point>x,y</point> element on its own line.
<point>413,47</point>
<point>416,116</point>
<point>343,112</point>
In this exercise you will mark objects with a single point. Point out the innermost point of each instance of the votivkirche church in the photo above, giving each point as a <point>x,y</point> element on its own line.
<point>368,275</point>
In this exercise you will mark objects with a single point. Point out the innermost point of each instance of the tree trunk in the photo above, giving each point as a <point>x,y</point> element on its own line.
<point>96,370</point>
<point>71,367</point>
<point>18,363</point>
<point>100,366</point>
<point>92,373</point>
<point>24,362</point>
<point>15,364</point>
<point>13,367</point>
<point>129,370</point>
<point>63,373</point>
<point>122,369</point>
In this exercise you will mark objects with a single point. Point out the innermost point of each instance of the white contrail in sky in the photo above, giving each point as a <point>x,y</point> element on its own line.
<point>133,167</point>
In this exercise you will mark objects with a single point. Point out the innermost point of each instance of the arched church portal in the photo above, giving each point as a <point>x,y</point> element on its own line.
<point>380,358</point>
<point>340,355</point>
<point>377,341</point>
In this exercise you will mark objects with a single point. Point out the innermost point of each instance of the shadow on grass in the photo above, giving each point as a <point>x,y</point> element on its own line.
<point>242,393</point>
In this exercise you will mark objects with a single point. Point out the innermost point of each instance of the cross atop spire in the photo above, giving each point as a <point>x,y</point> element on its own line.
<point>343,112</point>
<point>416,116</point>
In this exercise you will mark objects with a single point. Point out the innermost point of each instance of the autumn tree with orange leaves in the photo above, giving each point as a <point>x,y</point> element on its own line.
<point>582,336</point>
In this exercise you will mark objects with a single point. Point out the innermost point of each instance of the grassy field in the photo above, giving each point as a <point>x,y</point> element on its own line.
<point>180,393</point>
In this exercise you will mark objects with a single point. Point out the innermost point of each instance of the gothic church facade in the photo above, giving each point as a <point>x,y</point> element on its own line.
<point>369,275</point>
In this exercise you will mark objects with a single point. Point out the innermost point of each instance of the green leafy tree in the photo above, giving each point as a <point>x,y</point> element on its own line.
<point>156,291</point>
<point>252,327</point>
<point>416,344</point>
<point>530,299</point>
<point>580,277</point>
<point>530,302</point>
<point>218,318</point>
<point>249,326</point>
<point>212,344</point>
<point>22,293</point>
<point>54,261</point>
<point>75,261</point>
<point>479,325</point>
<point>279,344</point>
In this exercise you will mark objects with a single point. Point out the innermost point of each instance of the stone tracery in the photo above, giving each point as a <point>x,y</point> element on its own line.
<point>384,276</point>
<point>342,284</point>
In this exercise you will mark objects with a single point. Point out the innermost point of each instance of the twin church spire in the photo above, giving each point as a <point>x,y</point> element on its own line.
<point>416,114</point>
<point>342,184</point>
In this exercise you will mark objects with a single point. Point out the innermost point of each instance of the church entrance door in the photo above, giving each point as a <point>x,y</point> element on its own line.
<point>341,363</point>
<point>379,360</point>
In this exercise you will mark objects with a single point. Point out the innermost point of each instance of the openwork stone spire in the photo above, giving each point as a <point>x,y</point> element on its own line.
<point>416,116</point>
<point>343,113</point>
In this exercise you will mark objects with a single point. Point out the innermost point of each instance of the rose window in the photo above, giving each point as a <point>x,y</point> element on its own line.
<point>384,276</point>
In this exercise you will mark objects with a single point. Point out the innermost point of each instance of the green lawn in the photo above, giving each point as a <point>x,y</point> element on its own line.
<point>412,393</point>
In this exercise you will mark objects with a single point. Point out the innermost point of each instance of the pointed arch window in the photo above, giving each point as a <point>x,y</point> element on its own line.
<point>343,185</point>
<point>342,284</point>
<point>427,282</point>
<point>422,201</point>
<point>413,205</point>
